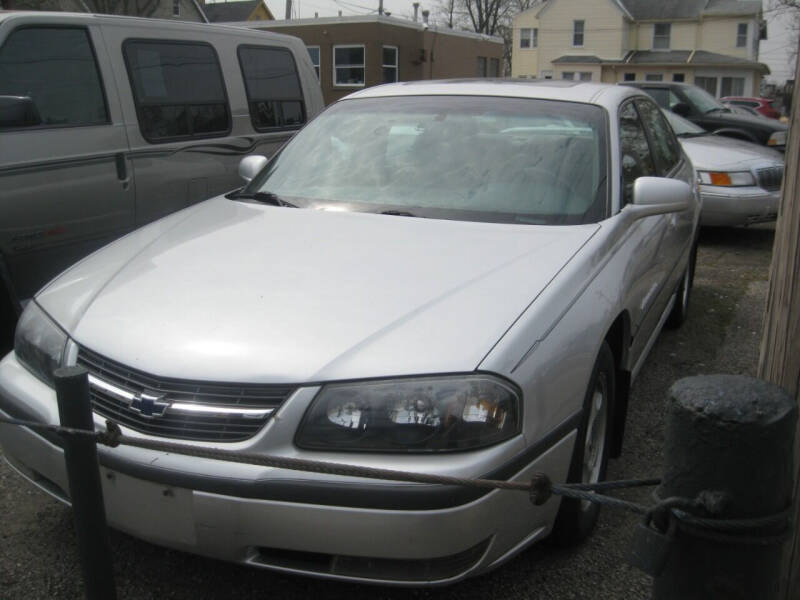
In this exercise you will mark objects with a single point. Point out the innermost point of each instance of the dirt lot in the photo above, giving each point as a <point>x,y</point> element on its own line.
<point>37,544</point>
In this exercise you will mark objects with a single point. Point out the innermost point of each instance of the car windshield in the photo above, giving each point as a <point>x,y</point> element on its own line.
<point>702,100</point>
<point>682,126</point>
<point>451,157</point>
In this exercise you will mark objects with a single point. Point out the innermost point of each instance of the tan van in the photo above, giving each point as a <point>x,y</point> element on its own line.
<point>107,123</point>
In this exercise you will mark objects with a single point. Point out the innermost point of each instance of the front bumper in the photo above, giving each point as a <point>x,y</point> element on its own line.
<point>336,527</point>
<point>730,207</point>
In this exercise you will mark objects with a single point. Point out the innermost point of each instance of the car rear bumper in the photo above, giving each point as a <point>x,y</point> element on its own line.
<point>152,496</point>
<point>729,207</point>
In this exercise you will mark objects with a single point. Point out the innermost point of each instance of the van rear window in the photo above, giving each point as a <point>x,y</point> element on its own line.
<point>273,87</point>
<point>178,89</point>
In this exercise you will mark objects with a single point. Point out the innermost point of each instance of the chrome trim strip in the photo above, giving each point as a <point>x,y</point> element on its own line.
<point>111,389</point>
<point>220,410</point>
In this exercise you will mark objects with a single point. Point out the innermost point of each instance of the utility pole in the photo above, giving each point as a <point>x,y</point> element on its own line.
<point>779,362</point>
<point>380,7</point>
<point>288,9</point>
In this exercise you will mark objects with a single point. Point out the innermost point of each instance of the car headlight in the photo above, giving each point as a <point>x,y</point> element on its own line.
<point>726,179</point>
<point>778,138</point>
<point>426,414</point>
<point>39,343</point>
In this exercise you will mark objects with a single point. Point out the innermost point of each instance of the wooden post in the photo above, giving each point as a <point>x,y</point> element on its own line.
<point>779,362</point>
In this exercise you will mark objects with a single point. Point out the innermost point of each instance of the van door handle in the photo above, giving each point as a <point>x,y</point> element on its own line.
<point>122,166</point>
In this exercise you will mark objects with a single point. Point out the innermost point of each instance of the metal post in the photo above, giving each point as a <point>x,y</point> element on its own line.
<point>86,494</point>
<point>735,435</point>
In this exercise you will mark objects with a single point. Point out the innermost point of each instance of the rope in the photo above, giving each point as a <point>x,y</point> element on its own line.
<point>540,487</point>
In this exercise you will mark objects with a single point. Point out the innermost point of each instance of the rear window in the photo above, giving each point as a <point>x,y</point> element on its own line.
<point>273,87</point>
<point>452,157</point>
<point>178,89</point>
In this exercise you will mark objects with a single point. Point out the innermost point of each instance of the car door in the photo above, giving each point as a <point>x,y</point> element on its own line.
<point>64,179</point>
<point>646,272</point>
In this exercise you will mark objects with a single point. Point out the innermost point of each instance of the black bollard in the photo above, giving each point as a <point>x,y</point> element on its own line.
<point>735,435</point>
<point>86,493</point>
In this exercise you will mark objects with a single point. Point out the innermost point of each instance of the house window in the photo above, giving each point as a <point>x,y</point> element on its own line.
<point>348,66</point>
<point>389,64</point>
<point>709,84</point>
<point>577,33</point>
<point>741,35</point>
<point>178,89</point>
<point>481,66</point>
<point>272,85</point>
<point>568,75</point>
<point>528,38</point>
<point>176,8</point>
<point>661,33</point>
<point>654,77</point>
<point>313,52</point>
<point>678,77</point>
<point>732,86</point>
<point>629,77</point>
<point>585,76</point>
<point>547,74</point>
<point>494,67</point>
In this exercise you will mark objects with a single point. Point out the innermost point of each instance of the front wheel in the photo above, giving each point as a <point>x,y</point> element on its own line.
<point>577,518</point>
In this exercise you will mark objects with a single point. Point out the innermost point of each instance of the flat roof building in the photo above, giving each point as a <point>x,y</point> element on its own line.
<point>354,52</point>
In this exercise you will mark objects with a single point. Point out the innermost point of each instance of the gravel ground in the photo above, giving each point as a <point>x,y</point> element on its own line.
<point>38,549</point>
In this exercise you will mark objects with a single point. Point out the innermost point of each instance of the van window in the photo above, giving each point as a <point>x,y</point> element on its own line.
<point>273,87</point>
<point>56,70</point>
<point>178,89</point>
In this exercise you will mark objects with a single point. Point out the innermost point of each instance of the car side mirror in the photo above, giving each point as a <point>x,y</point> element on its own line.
<point>682,109</point>
<point>250,166</point>
<point>659,196</point>
<point>18,111</point>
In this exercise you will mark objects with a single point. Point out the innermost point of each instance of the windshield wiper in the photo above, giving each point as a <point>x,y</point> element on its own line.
<point>398,213</point>
<point>264,197</point>
<point>718,108</point>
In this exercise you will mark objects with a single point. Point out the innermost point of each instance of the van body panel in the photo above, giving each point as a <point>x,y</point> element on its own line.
<point>67,190</point>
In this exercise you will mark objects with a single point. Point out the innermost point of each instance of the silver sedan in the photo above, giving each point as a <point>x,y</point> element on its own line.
<point>740,182</point>
<point>459,278</point>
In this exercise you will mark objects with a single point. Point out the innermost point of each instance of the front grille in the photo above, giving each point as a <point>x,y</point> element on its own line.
<point>208,411</point>
<point>770,178</point>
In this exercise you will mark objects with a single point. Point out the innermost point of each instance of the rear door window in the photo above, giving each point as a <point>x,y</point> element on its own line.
<point>274,94</point>
<point>666,151</point>
<point>178,89</point>
<point>636,159</point>
<point>55,69</point>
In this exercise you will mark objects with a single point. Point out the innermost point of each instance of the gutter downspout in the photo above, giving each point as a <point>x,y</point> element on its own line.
<point>199,10</point>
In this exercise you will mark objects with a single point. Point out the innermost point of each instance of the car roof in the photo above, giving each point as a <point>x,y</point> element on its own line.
<point>546,89</point>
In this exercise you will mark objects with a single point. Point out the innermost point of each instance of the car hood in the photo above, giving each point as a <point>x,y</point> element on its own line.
<point>233,291</point>
<point>717,152</point>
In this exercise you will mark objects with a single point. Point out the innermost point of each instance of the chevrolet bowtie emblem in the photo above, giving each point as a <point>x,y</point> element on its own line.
<point>150,404</point>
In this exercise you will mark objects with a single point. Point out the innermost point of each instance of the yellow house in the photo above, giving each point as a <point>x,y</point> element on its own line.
<point>237,10</point>
<point>711,43</point>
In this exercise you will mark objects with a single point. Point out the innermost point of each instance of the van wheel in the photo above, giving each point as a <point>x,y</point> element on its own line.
<point>680,310</point>
<point>577,518</point>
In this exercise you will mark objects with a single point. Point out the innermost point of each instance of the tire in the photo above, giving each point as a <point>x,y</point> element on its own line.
<point>680,310</point>
<point>576,518</point>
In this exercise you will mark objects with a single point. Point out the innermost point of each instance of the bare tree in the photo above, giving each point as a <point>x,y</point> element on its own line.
<point>140,8</point>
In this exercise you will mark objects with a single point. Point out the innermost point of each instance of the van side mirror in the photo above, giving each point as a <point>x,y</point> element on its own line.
<point>250,166</point>
<point>682,109</point>
<point>18,111</point>
<point>659,196</point>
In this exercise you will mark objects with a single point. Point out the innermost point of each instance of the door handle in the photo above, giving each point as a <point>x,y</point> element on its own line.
<point>122,169</point>
<point>122,166</point>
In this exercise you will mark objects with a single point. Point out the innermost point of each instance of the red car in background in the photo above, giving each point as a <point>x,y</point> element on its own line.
<point>763,106</point>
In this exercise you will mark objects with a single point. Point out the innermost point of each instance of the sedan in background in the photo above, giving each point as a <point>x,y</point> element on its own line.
<point>740,182</point>
<point>763,106</point>
<point>458,278</point>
